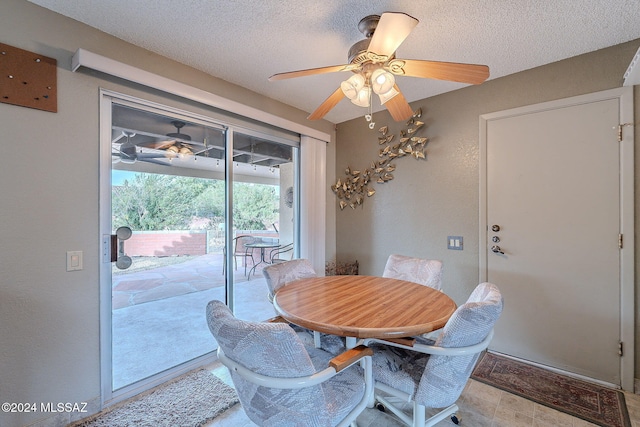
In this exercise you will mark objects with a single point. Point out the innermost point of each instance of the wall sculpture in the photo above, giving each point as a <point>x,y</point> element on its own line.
<point>356,184</point>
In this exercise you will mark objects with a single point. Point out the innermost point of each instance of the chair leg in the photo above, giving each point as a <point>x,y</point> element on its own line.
<point>419,414</point>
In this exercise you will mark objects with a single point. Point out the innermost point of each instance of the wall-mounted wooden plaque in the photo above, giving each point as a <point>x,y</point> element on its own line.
<point>28,79</point>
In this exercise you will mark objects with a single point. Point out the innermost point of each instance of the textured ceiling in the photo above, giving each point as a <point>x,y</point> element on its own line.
<point>246,41</point>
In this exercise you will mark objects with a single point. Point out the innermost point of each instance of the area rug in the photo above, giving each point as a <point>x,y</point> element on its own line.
<point>599,405</point>
<point>191,400</point>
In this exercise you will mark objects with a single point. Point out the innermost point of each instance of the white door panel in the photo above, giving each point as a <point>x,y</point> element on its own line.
<point>552,179</point>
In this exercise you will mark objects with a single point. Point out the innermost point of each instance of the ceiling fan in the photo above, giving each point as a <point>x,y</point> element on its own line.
<point>180,143</point>
<point>374,63</point>
<point>128,152</point>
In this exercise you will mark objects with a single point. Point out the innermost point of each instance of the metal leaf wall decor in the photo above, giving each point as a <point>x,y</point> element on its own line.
<point>356,184</point>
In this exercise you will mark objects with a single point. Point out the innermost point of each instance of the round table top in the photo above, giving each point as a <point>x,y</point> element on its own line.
<point>261,245</point>
<point>364,306</point>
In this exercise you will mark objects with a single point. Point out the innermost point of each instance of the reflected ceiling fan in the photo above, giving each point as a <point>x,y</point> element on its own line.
<point>128,152</point>
<point>180,143</point>
<point>375,66</point>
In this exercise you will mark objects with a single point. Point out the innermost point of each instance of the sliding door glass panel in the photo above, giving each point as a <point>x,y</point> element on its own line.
<point>168,187</point>
<point>264,223</point>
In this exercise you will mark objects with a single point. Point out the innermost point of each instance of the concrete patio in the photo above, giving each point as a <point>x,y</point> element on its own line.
<point>159,314</point>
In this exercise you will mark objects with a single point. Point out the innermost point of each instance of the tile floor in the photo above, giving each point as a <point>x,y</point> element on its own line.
<point>480,406</point>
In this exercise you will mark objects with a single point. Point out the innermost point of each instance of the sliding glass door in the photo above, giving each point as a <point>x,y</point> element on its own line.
<point>264,227</point>
<point>196,209</point>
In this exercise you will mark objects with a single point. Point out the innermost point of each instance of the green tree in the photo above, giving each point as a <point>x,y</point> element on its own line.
<point>255,206</point>
<point>166,202</point>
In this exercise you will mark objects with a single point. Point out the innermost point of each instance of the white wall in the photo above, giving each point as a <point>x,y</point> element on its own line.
<point>49,318</point>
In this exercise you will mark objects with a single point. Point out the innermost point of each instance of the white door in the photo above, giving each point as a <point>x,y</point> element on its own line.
<point>552,213</point>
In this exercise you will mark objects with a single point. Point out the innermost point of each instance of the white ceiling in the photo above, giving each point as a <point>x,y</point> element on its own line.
<point>246,41</point>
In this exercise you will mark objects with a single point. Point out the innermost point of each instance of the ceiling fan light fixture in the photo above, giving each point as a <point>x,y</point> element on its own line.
<point>384,97</point>
<point>382,81</point>
<point>185,152</point>
<point>363,98</point>
<point>352,86</point>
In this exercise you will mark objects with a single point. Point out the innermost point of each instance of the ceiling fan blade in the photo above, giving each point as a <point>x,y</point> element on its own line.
<point>390,32</point>
<point>157,162</point>
<point>150,156</point>
<point>311,71</point>
<point>327,105</point>
<point>157,145</point>
<point>451,71</point>
<point>398,107</point>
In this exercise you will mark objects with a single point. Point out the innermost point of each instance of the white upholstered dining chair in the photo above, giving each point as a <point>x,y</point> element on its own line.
<point>281,382</point>
<point>278,275</point>
<point>433,376</point>
<point>426,272</point>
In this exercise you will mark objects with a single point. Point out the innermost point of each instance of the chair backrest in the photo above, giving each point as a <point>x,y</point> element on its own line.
<point>271,349</point>
<point>426,272</point>
<point>278,275</point>
<point>445,377</point>
<point>240,241</point>
<point>276,254</point>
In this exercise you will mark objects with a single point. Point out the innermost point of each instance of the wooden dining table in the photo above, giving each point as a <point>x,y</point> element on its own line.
<point>363,306</point>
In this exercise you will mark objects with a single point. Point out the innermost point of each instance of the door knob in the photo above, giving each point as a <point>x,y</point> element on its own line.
<point>496,250</point>
<point>495,228</point>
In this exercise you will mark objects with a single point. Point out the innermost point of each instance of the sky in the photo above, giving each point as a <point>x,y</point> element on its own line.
<point>118,176</point>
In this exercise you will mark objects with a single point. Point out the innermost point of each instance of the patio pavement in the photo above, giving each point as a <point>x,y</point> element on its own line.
<point>159,315</point>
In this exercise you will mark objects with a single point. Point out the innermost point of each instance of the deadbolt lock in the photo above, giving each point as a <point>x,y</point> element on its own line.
<point>495,228</point>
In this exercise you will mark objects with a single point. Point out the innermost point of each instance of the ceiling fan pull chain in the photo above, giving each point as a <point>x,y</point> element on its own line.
<point>369,116</point>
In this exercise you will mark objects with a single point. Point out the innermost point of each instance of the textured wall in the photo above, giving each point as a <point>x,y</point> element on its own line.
<point>430,200</point>
<point>49,204</point>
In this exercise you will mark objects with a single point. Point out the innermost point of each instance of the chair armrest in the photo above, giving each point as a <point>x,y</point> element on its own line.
<point>277,319</point>
<point>349,357</point>
<point>407,341</point>
<point>432,349</point>
<point>295,382</point>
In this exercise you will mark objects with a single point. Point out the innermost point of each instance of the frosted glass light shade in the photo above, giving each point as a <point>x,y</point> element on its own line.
<point>363,97</point>
<point>352,86</point>
<point>384,97</point>
<point>382,81</point>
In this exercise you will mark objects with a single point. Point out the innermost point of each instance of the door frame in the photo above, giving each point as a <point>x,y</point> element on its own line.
<point>624,95</point>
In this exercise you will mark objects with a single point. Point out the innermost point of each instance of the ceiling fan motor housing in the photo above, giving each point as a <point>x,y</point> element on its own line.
<point>368,24</point>
<point>358,52</point>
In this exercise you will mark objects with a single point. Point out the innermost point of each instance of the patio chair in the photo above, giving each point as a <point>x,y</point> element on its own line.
<point>426,272</point>
<point>280,382</point>
<point>276,255</point>
<point>433,376</point>
<point>239,251</point>
<point>278,275</point>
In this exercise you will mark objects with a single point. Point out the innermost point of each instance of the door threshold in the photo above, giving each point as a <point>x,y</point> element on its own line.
<point>559,371</point>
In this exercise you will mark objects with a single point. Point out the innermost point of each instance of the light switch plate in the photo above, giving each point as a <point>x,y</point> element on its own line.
<point>454,243</point>
<point>74,260</point>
